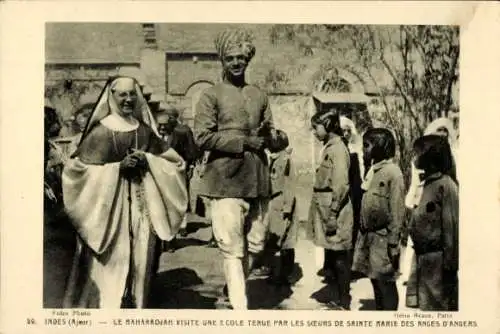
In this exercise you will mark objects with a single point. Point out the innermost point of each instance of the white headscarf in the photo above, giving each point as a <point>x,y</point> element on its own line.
<point>440,123</point>
<point>106,105</point>
<point>415,190</point>
<point>355,142</point>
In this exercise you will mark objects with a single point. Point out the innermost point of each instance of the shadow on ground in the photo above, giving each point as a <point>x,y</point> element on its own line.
<point>367,305</point>
<point>193,227</point>
<point>174,289</point>
<point>264,295</point>
<point>188,242</point>
<point>325,294</point>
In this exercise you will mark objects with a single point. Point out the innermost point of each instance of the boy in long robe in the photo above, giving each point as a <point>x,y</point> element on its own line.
<point>434,228</point>
<point>180,138</point>
<point>442,127</point>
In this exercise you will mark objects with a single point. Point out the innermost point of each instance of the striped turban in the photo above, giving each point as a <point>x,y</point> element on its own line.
<point>235,40</point>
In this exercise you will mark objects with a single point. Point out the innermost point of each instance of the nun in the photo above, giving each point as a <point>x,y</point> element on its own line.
<point>124,189</point>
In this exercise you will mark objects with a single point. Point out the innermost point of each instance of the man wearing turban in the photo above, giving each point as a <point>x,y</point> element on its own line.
<point>233,125</point>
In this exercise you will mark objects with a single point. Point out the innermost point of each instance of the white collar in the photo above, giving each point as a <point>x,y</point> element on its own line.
<point>116,123</point>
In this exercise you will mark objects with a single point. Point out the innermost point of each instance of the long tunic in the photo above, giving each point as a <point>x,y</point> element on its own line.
<point>381,219</point>
<point>331,197</point>
<point>182,141</point>
<point>434,231</point>
<point>282,201</point>
<point>118,222</point>
<point>356,193</point>
<point>225,116</point>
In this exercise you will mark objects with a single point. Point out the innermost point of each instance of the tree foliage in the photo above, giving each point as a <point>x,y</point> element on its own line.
<point>414,69</point>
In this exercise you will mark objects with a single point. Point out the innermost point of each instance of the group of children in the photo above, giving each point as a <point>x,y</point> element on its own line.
<point>358,213</point>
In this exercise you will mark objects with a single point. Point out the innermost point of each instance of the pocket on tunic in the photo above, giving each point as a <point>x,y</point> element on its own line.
<point>376,209</point>
<point>378,254</point>
<point>322,203</point>
<point>229,167</point>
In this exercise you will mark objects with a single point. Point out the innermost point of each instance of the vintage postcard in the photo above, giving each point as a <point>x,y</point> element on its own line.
<point>253,166</point>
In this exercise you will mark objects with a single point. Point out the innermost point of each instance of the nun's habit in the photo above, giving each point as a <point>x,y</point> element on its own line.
<point>119,221</point>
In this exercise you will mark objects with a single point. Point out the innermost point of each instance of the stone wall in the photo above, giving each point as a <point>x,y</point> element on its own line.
<point>183,73</point>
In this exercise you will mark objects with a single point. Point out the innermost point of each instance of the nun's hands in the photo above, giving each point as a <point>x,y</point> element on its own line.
<point>140,157</point>
<point>129,162</point>
<point>134,165</point>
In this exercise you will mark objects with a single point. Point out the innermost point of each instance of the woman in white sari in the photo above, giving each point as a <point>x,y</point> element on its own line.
<point>124,190</point>
<point>442,126</point>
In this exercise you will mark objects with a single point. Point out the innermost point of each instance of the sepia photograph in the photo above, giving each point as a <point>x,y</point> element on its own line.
<point>251,166</point>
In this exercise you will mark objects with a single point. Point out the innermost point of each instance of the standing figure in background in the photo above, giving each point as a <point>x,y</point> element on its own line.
<point>179,137</point>
<point>332,212</point>
<point>382,212</point>
<point>55,155</point>
<point>233,125</point>
<point>356,170</point>
<point>124,189</point>
<point>59,238</point>
<point>434,227</point>
<point>283,227</point>
<point>80,119</point>
<point>441,127</point>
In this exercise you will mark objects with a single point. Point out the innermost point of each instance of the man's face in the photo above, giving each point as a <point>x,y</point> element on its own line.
<point>319,132</point>
<point>235,64</point>
<point>367,150</point>
<point>54,124</point>
<point>347,133</point>
<point>125,96</point>
<point>82,118</point>
<point>442,131</point>
<point>417,159</point>
<point>166,124</point>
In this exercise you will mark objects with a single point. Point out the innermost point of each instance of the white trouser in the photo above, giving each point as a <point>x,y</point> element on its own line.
<point>240,227</point>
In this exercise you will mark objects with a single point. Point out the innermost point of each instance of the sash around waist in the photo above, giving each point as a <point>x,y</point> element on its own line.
<point>322,190</point>
<point>236,131</point>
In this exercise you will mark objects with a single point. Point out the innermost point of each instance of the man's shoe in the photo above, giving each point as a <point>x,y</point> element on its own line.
<point>333,306</point>
<point>261,272</point>
<point>169,246</point>
<point>212,243</point>
<point>183,232</point>
<point>279,281</point>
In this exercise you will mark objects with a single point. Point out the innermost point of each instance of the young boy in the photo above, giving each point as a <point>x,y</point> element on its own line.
<point>332,212</point>
<point>282,227</point>
<point>434,227</point>
<point>382,212</point>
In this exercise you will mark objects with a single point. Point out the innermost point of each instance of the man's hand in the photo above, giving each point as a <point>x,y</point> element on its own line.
<point>330,232</point>
<point>254,143</point>
<point>331,226</point>
<point>287,216</point>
